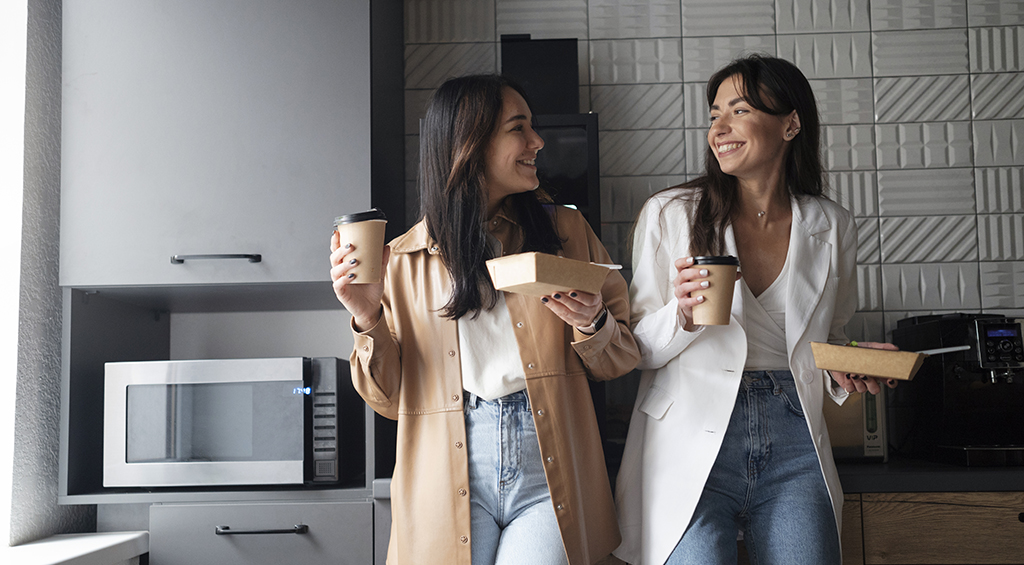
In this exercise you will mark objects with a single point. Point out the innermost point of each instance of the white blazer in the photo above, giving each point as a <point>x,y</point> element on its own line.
<point>690,379</point>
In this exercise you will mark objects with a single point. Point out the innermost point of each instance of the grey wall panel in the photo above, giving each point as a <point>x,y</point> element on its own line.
<point>802,16</point>
<point>929,239</point>
<point>926,192</point>
<point>848,148</point>
<point>1001,237</point>
<point>635,61</point>
<point>695,105</point>
<point>869,288</point>
<point>998,143</point>
<point>642,106</point>
<point>857,191</point>
<point>1002,285</point>
<point>412,156</point>
<point>696,150</point>
<point>615,237</point>
<point>416,102</point>
<point>909,53</point>
<point>918,14</point>
<point>931,286</point>
<point>622,197</point>
<point>995,12</point>
<point>868,241</point>
<point>728,17</point>
<point>449,21</point>
<point>626,19</point>
<point>427,66</point>
<point>997,49</point>
<point>867,326</point>
<point>922,99</point>
<point>1000,190</point>
<point>552,19</point>
<point>923,145</point>
<point>645,152</point>
<point>835,55</point>
<point>997,96</point>
<point>844,100</point>
<point>705,55</point>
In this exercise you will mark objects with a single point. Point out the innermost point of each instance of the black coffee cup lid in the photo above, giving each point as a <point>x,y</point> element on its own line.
<point>716,260</point>
<point>374,214</point>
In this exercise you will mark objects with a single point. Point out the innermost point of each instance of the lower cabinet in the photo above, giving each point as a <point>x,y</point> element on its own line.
<point>335,533</point>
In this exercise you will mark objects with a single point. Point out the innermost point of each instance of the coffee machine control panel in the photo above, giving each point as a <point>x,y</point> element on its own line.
<point>1000,344</point>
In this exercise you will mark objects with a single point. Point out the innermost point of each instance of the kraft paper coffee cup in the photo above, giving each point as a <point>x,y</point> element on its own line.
<point>717,305</point>
<point>365,231</point>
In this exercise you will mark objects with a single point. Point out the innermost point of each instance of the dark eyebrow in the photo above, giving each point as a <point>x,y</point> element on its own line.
<point>732,102</point>
<point>517,117</point>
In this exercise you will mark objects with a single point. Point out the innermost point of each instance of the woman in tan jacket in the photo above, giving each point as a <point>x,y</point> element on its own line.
<point>499,458</point>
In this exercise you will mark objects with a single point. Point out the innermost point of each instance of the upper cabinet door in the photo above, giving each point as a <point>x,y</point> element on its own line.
<point>210,127</point>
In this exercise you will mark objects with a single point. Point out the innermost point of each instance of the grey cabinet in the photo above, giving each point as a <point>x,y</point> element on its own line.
<point>195,127</point>
<point>336,533</point>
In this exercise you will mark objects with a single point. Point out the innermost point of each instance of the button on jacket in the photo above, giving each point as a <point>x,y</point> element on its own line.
<point>407,368</point>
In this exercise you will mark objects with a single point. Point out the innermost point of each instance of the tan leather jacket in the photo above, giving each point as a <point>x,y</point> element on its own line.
<point>407,368</point>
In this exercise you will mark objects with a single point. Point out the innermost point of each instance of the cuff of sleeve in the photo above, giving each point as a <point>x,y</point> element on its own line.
<point>364,341</point>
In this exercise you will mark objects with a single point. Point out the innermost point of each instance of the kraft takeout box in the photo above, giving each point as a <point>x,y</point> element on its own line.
<point>542,274</point>
<point>902,365</point>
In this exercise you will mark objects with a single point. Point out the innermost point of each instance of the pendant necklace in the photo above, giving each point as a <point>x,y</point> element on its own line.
<point>761,213</point>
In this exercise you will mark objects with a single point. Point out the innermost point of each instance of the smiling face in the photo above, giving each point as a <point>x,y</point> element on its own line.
<point>748,143</point>
<point>509,163</point>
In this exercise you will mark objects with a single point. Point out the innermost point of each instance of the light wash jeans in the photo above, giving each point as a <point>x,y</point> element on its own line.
<point>767,482</point>
<point>513,521</point>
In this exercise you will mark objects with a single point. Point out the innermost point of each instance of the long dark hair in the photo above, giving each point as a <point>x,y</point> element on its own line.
<point>777,87</point>
<point>461,120</point>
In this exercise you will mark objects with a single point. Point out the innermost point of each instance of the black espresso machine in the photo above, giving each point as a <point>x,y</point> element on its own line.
<point>964,406</point>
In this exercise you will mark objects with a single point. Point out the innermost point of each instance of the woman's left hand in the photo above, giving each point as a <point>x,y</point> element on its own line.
<point>577,308</point>
<point>864,383</point>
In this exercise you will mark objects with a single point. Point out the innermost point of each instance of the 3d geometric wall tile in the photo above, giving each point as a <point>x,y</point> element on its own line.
<point>629,19</point>
<point>866,326</point>
<point>998,96</point>
<point>695,105</point>
<point>416,102</point>
<point>615,237</point>
<point>449,21</point>
<point>645,152</point>
<point>933,286</point>
<point>622,197</point>
<point>848,148</point>
<point>554,19</point>
<point>868,244</point>
<point>923,99</point>
<point>428,65</point>
<point>844,100</point>
<point>857,191</point>
<point>1001,237</point>
<point>911,53</point>
<point>835,55</point>
<point>921,145</point>
<point>1002,285</point>
<point>929,239</point>
<point>926,192</point>
<point>918,14</point>
<point>995,12</point>
<point>705,55</point>
<point>869,288</point>
<point>810,16</point>
<point>642,106</point>
<point>696,150</point>
<point>634,61</point>
<point>997,49</point>
<point>1000,190</point>
<point>728,17</point>
<point>998,143</point>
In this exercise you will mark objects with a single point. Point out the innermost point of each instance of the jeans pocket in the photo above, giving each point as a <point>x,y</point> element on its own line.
<point>792,400</point>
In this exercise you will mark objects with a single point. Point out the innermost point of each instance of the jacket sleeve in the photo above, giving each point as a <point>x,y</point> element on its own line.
<point>376,363</point>
<point>610,352</point>
<point>846,296</point>
<point>656,320</point>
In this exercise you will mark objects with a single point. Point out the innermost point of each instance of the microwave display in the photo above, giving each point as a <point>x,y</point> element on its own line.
<point>261,421</point>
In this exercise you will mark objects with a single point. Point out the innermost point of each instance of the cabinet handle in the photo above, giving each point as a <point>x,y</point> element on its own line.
<point>227,531</point>
<point>252,257</point>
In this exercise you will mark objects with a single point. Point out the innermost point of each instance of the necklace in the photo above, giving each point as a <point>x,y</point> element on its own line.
<point>761,213</point>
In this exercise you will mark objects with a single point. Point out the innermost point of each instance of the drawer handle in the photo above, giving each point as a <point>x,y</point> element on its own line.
<point>227,531</point>
<point>252,257</point>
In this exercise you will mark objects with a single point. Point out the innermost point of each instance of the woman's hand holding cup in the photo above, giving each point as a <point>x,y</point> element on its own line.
<point>361,300</point>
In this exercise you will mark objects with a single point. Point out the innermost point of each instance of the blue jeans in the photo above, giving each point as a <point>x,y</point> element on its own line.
<point>513,521</point>
<point>767,482</point>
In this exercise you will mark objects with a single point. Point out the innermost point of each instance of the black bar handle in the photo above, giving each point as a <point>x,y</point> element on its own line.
<point>252,257</point>
<point>227,531</point>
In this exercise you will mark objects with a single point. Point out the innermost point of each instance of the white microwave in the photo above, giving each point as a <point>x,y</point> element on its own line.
<point>220,422</point>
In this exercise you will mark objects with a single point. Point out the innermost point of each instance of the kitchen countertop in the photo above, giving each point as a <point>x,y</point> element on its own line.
<point>910,475</point>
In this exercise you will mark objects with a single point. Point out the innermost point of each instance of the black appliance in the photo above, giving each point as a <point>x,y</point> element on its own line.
<point>964,407</point>
<point>547,69</point>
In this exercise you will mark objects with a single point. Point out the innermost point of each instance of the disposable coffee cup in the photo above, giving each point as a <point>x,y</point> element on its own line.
<point>365,231</point>
<point>717,305</point>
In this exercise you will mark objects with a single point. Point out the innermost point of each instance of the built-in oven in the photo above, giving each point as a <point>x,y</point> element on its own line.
<point>221,422</point>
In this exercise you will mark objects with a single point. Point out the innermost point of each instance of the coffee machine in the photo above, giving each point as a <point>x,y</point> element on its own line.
<point>966,405</point>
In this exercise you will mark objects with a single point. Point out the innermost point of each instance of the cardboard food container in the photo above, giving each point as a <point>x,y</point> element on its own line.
<point>902,365</point>
<point>542,274</point>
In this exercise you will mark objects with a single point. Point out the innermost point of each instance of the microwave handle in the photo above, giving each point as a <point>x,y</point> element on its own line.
<point>227,531</point>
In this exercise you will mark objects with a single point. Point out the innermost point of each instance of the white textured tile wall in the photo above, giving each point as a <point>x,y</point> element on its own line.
<point>920,102</point>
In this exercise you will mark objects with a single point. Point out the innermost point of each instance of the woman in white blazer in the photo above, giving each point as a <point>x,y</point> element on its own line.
<point>727,434</point>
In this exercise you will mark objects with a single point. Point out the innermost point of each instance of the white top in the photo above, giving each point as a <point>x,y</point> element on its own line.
<point>766,325</point>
